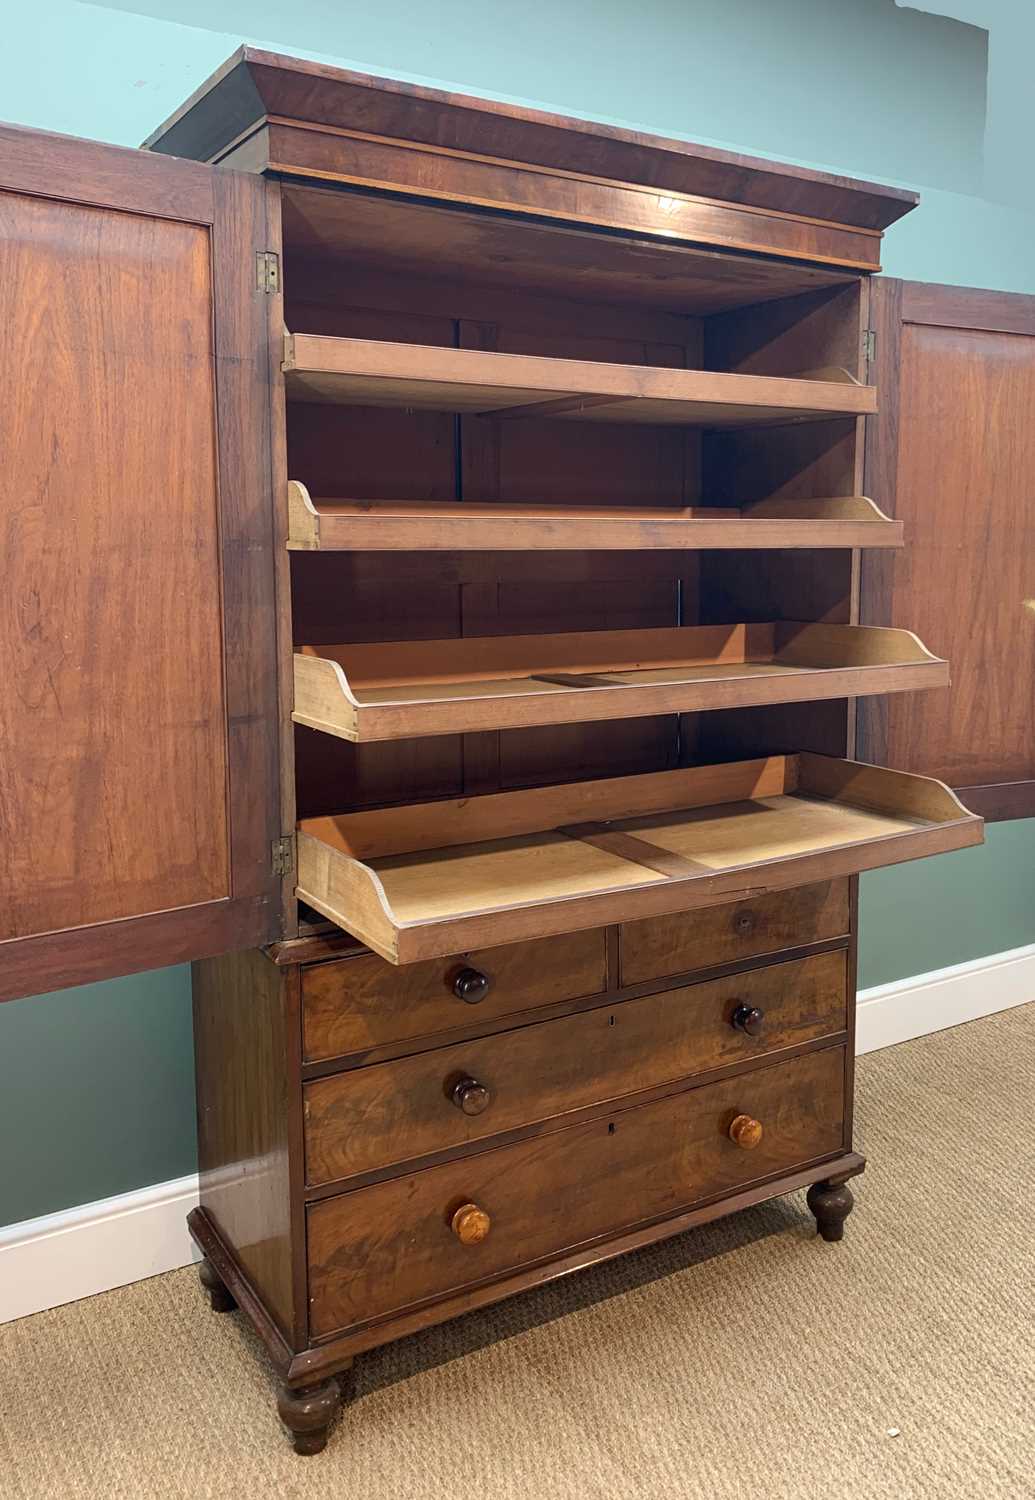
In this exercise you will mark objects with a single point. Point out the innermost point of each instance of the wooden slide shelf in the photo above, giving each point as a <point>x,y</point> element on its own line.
<point>398,690</point>
<point>442,878</point>
<point>373,372</point>
<point>430,526</point>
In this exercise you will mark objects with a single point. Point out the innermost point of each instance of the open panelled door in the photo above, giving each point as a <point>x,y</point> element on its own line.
<point>139,772</point>
<point>950,455</point>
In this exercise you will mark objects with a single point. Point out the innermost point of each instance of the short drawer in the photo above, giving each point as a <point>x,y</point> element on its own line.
<point>362,1002</point>
<point>415,1106</point>
<point>659,946</point>
<point>419,1237</point>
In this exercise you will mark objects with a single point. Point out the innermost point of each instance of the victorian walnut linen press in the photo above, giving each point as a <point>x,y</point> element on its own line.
<point>433,536</point>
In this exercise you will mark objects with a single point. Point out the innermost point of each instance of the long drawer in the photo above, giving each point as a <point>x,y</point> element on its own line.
<point>362,1002</point>
<point>415,1106</point>
<point>678,944</point>
<point>418,1237</point>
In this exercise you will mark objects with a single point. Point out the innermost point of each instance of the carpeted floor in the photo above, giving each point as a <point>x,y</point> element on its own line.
<point>747,1359</point>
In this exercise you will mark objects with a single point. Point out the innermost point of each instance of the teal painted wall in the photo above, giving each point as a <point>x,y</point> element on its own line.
<point>865,87</point>
<point>96,1092</point>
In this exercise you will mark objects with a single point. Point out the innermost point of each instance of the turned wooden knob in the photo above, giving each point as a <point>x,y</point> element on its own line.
<point>471,985</point>
<point>470,1096</point>
<point>746,1132</point>
<point>748,1018</point>
<point>470,1224</point>
<point>744,922</point>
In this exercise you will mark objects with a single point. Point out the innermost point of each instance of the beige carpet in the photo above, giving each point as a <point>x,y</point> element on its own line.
<point>747,1359</point>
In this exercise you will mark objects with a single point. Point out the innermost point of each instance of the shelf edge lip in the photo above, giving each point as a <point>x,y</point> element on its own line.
<point>402,942</point>
<point>562,381</point>
<point>391,720</point>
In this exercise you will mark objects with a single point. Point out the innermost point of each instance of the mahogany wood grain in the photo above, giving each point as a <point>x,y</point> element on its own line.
<point>417,882</point>
<point>360,1003</point>
<point>138,780</point>
<point>1000,800</point>
<point>255,83</point>
<point>78,171</point>
<point>375,372</point>
<point>479,594</point>
<point>248,533</point>
<point>939,306</point>
<point>492,253</point>
<point>242,1062</point>
<point>336,1352</point>
<point>110,813</point>
<point>447,175</point>
<point>395,454</point>
<point>397,691</point>
<point>679,944</point>
<point>342,286</point>
<point>401,1111</point>
<point>793,334</point>
<point>370,525</point>
<point>627,465</point>
<point>59,960</point>
<point>962,430</point>
<point>384,1248</point>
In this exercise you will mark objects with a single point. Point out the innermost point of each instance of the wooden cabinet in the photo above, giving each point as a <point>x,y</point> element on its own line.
<point>436,541</point>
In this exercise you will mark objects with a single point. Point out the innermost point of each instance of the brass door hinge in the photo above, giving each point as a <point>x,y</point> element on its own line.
<point>869,346</point>
<point>283,852</point>
<point>267,271</point>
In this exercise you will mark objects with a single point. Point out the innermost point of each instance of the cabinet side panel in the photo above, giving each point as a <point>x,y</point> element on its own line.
<point>113,782</point>
<point>242,1058</point>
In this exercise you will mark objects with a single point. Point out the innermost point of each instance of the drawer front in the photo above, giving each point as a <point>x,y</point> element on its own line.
<point>678,944</point>
<point>363,1002</point>
<point>414,1106</point>
<point>383,1248</point>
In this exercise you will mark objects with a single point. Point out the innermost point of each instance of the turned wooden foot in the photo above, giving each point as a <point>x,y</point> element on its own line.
<point>308,1411</point>
<point>218,1294</point>
<point>831,1202</point>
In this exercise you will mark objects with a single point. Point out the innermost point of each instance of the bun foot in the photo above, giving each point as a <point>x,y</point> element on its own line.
<point>831,1202</point>
<point>218,1294</point>
<point>308,1411</point>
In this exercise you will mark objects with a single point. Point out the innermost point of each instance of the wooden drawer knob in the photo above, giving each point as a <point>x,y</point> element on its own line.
<point>744,923</point>
<point>746,1132</point>
<point>470,1224</point>
<point>470,1096</point>
<point>748,1018</point>
<point>471,985</point>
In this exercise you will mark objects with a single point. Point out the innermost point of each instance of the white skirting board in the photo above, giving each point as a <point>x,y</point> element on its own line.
<point>64,1256</point>
<point>913,1007</point>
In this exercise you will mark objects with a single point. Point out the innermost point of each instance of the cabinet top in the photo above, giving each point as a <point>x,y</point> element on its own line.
<point>254,87</point>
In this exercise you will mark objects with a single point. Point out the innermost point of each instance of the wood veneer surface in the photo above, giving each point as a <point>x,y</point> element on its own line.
<point>390,1245</point>
<point>370,372</point>
<point>125,392</point>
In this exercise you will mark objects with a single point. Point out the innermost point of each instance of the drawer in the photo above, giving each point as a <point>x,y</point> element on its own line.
<point>382,1248</point>
<point>363,1002</point>
<point>414,1106</point>
<point>678,944</point>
